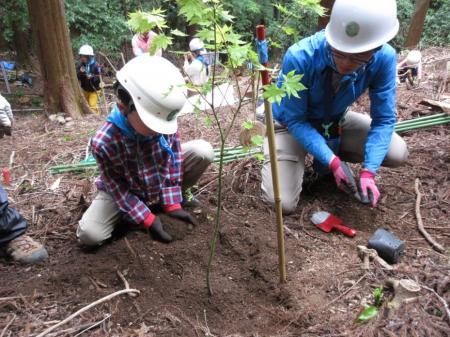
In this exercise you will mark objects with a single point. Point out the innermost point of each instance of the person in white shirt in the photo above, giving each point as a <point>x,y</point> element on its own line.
<point>142,42</point>
<point>196,66</point>
<point>6,117</point>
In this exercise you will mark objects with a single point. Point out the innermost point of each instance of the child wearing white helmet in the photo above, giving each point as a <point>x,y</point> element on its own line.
<point>144,168</point>
<point>88,73</point>
<point>410,69</point>
<point>339,65</point>
<point>196,65</point>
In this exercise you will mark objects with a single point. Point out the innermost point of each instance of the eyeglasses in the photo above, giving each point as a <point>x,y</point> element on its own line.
<point>358,59</point>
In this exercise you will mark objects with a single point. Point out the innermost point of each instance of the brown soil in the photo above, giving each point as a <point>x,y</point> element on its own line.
<point>326,286</point>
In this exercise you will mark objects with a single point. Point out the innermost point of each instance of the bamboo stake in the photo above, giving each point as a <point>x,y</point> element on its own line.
<point>261,35</point>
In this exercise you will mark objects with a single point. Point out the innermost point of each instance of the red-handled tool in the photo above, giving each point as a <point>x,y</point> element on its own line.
<point>6,176</point>
<point>327,222</point>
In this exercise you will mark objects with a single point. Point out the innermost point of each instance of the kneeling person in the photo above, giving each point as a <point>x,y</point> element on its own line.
<point>139,155</point>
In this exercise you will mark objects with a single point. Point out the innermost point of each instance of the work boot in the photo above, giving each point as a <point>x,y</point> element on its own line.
<point>25,250</point>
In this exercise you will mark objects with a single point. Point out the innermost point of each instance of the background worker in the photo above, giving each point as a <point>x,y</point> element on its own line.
<point>196,66</point>
<point>142,42</point>
<point>143,165</point>
<point>339,65</point>
<point>88,73</point>
<point>14,243</point>
<point>410,69</point>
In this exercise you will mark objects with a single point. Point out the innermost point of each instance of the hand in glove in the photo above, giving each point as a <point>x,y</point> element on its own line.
<point>177,212</point>
<point>6,117</point>
<point>343,176</point>
<point>156,229</point>
<point>369,190</point>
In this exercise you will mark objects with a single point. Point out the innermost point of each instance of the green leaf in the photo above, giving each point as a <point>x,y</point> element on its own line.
<point>177,32</point>
<point>144,21</point>
<point>259,156</point>
<point>238,54</point>
<point>289,30</point>
<point>226,16</point>
<point>378,295</point>
<point>257,140</point>
<point>282,9</point>
<point>367,314</point>
<point>248,125</point>
<point>195,11</point>
<point>160,41</point>
<point>273,94</point>
<point>208,121</point>
<point>312,5</point>
<point>292,84</point>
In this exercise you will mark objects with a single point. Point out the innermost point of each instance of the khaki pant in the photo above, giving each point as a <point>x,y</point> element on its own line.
<point>100,219</point>
<point>92,99</point>
<point>291,158</point>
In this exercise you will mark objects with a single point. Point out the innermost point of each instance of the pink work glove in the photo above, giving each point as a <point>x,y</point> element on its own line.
<point>340,175</point>
<point>369,189</point>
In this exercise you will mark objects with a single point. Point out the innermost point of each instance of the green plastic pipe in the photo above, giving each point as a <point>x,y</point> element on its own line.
<point>423,118</point>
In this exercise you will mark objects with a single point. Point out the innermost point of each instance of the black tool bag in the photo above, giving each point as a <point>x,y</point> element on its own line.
<point>12,224</point>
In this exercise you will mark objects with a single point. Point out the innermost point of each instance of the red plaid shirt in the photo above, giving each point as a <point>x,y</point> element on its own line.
<point>137,172</point>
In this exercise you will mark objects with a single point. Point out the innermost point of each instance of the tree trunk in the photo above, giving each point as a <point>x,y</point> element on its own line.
<point>61,89</point>
<point>416,25</point>
<point>323,20</point>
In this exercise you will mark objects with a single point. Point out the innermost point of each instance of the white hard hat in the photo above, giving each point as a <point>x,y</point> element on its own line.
<point>357,26</point>
<point>86,50</point>
<point>196,44</point>
<point>158,91</point>
<point>413,58</point>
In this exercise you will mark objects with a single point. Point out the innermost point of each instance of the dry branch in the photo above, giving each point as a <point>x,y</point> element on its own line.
<point>93,304</point>
<point>422,230</point>
<point>441,299</point>
<point>125,282</point>
<point>7,325</point>
<point>441,105</point>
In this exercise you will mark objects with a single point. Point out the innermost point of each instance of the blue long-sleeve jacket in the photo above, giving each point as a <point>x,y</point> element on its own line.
<point>311,57</point>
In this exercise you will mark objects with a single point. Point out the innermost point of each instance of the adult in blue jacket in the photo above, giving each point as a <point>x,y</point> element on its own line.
<point>339,64</point>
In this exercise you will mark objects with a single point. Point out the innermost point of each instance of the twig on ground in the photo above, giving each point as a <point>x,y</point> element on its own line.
<point>11,160</point>
<point>441,299</point>
<point>93,304</point>
<point>130,248</point>
<point>295,235</point>
<point>345,292</point>
<point>422,230</point>
<point>93,325</point>
<point>7,326</point>
<point>125,282</point>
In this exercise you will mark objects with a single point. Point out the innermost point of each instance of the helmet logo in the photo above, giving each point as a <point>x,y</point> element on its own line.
<point>352,29</point>
<point>172,115</point>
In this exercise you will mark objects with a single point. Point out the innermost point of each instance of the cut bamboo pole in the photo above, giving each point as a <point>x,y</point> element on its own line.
<point>261,36</point>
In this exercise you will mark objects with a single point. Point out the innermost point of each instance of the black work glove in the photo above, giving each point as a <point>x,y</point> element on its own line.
<point>158,233</point>
<point>182,215</point>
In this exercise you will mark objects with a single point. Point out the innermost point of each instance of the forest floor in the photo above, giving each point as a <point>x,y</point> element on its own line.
<point>326,288</point>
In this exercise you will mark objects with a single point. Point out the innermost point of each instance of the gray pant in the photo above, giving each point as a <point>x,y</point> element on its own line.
<point>100,219</point>
<point>291,158</point>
